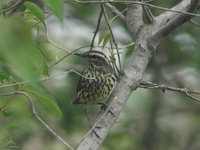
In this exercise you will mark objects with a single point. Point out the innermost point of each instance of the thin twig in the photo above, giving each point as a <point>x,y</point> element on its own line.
<point>148,12</point>
<point>28,12</point>
<point>105,1</point>
<point>122,47</point>
<point>13,84</point>
<point>97,29</point>
<point>50,14</point>
<point>195,23</point>
<point>64,73</point>
<point>56,45</point>
<point>111,20</point>
<point>113,38</point>
<point>45,79</point>
<point>65,56</point>
<point>76,72</point>
<point>13,8</point>
<point>34,112</point>
<point>134,2</point>
<point>116,11</point>
<point>188,92</point>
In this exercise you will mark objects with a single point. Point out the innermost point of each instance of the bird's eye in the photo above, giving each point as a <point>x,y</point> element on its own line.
<point>95,58</point>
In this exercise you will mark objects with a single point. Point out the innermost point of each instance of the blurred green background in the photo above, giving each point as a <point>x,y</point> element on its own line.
<point>151,120</point>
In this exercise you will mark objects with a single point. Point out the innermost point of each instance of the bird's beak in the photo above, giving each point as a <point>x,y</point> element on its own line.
<point>80,55</point>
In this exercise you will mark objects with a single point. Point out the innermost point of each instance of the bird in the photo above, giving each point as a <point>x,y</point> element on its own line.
<point>97,80</point>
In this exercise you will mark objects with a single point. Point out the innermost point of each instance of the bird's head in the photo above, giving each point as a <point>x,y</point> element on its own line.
<point>96,58</point>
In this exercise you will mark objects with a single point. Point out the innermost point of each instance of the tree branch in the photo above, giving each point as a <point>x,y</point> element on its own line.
<point>169,21</point>
<point>116,11</point>
<point>148,12</point>
<point>145,45</point>
<point>134,11</point>
<point>188,92</point>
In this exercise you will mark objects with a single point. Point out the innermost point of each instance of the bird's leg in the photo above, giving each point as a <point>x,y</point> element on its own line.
<point>105,106</point>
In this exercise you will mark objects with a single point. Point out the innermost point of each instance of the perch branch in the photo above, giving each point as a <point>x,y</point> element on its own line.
<point>116,11</point>
<point>188,92</point>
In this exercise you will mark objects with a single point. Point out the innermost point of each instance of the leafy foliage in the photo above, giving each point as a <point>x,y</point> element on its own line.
<point>104,37</point>
<point>48,102</point>
<point>36,11</point>
<point>21,52</point>
<point>56,7</point>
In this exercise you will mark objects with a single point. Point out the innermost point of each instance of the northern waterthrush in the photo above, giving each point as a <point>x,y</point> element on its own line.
<point>97,80</point>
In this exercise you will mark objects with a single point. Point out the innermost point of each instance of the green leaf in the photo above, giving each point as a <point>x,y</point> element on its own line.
<point>56,6</point>
<point>11,127</point>
<point>45,68</point>
<point>19,50</point>
<point>4,77</point>
<point>102,36</point>
<point>48,102</point>
<point>5,113</point>
<point>106,39</point>
<point>12,143</point>
<point>36,11</point>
